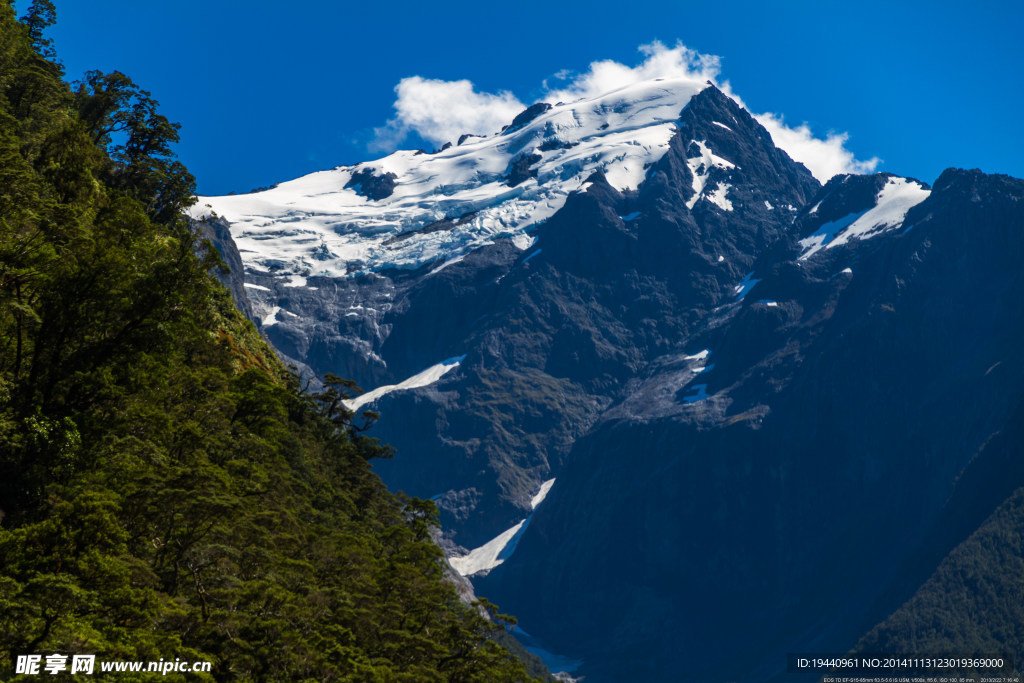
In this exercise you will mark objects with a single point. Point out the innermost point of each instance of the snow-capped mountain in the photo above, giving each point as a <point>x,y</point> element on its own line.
<point>413,208</point>
<point>341,266</point>
<point>669,393</point>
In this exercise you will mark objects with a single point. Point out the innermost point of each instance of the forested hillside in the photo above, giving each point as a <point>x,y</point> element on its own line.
<point>166,487</point>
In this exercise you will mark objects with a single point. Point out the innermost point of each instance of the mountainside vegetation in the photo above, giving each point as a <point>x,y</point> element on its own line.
<point>972,603</point>
<point>973,599</point>
<point>167,488</point>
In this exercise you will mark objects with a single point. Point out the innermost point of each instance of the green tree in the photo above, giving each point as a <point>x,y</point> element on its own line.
<point>124,119</point>
<point>167,488</point>
<point>41,15</point>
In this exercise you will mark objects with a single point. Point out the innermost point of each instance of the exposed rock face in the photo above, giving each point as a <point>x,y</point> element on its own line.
<point>219,233</point>
<point>546,347</point>
<point>371,185</point>
<point>519,170</point>
<point>749,387</point>
<point>841,408</point>
<point>553,340</point>
<point>527,115</point>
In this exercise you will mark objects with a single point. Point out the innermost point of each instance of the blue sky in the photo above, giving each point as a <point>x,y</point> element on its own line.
<point>266,90</point>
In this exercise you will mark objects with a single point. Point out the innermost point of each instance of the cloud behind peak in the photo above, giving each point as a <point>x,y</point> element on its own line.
<point>440,111</point>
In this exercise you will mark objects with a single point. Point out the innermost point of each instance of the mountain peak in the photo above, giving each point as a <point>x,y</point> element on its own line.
<point>722,154</point>
<point>737,135</point>
<point>408,210</point>
<point>483,189</point>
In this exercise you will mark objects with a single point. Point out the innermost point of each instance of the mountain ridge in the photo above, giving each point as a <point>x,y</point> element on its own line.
<point>726,304</point>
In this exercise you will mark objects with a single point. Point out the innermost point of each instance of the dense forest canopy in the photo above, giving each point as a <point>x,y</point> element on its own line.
<point>166,487</point>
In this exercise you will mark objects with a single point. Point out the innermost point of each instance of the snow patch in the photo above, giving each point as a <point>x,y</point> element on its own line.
<point>421,379</point>
<point>261,288</point>
<point>825,234</point>
<point>892,203</point>
<point>500,548</point>
<point>718,197</point>
<point>722,125</point>
<point>700,167</point>
<point>271,318</point>
<point>489,555</point>
<point>768,302</point>
<point>522,241</point>
<point>542,494</point>
<point>700,355</point>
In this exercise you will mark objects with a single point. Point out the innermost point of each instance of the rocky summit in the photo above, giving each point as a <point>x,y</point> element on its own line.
<point>670,394</point>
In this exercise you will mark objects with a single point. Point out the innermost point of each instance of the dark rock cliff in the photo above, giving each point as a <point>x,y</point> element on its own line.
<point>843,408</point>
<point>758,450</point>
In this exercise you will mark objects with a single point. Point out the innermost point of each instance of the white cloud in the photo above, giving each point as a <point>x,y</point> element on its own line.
<point>824,158</point>
<point>661,62</point>
<point>440,111</point>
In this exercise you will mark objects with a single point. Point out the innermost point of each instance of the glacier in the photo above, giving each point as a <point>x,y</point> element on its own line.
<point>448,203</point>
